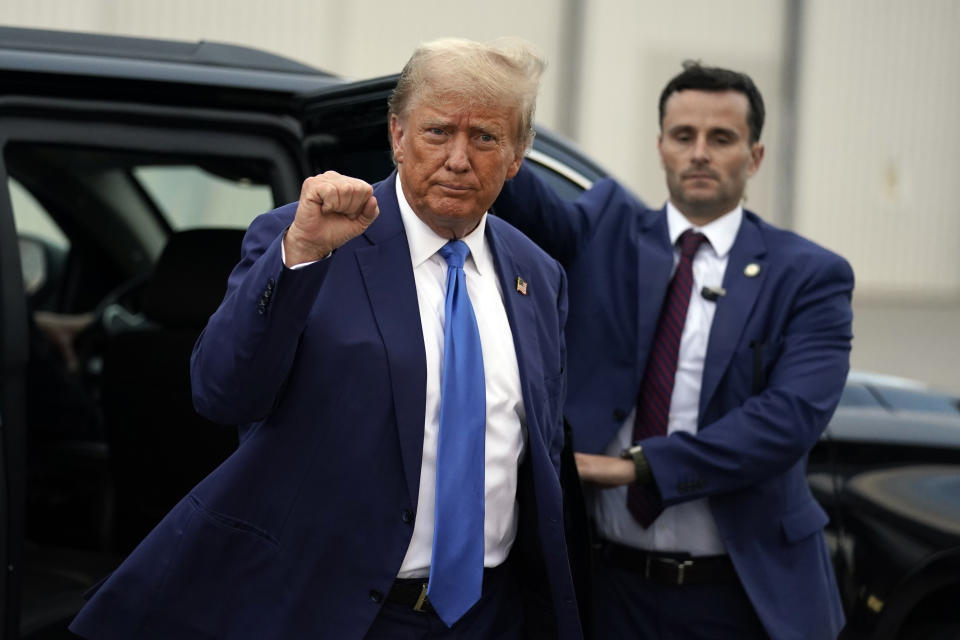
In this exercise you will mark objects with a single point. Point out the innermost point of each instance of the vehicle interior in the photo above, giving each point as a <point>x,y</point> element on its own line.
<point>125,254</point>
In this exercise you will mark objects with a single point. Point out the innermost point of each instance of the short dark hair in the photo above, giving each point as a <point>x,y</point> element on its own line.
<point>702,78</point>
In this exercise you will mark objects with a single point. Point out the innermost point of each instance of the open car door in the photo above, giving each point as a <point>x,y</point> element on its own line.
<point>14,339</point>
<point>345,129</point>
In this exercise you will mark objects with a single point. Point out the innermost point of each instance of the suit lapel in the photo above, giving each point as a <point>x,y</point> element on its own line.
<point>388,277</point>
<point>520,313</point>
<point>733,310</point>
<point>655,267</point>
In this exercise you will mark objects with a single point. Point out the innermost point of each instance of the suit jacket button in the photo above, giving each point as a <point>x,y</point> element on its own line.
<point>619,415</point>
<point>261,308</point>
<point>375,595</point>
<point>270,284</point>
<point>406,515</point>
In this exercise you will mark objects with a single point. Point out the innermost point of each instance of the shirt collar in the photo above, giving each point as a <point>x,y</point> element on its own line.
<point>424,241</point>
<point>720,232</point>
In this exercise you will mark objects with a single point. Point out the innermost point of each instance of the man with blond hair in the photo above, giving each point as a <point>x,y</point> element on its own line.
<point>396,358</point>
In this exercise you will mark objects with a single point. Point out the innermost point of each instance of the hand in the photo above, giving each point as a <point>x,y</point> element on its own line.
<point>62,330</point>
<point>333,209</point>
<point>606,471</point>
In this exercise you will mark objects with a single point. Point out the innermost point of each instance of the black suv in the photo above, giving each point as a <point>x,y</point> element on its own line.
<point>130,168</point>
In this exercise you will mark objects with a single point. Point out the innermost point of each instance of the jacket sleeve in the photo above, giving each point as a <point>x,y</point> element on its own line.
<point>558,440</point>
<point>765,434</point>
<point>560,227</point>
<point>243,357</point>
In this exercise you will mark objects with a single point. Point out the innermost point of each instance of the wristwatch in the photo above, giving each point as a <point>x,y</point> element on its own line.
<point>635,453</point>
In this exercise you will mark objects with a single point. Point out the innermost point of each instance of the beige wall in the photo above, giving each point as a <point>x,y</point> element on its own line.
<point>641,45</point>
<point>353,38</point>
<point>877,141</point>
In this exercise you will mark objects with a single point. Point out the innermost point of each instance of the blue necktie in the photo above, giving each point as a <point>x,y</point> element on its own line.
<point>456,569</point>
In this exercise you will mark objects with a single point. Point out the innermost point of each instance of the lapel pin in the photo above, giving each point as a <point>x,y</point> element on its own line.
<point>521,286</point>
<point>751,270</point>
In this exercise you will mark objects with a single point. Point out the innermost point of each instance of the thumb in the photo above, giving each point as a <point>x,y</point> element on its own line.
<point>370,211</point>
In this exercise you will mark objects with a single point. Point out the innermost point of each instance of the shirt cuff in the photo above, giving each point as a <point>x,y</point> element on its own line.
<point>283,257</point>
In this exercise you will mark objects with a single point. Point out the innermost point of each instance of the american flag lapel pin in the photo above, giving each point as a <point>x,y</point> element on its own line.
<point>521,286</point>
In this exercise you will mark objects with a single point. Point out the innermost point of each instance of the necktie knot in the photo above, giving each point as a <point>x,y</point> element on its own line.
<point>690,241</point>
<point>455,253</point>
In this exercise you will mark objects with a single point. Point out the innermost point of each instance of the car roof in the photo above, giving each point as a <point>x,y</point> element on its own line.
<point>877,425</point>
<point>109,56</point>
<point>895,394</point>
<point>884,380</point>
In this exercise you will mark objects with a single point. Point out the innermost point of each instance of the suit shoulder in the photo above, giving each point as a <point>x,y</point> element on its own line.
<point>789,245</point>
<point>518,243</point>
<point>618,204</point>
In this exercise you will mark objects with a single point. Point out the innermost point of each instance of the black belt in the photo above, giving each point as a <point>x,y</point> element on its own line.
<point>668,569</point>
<point>412,594</point>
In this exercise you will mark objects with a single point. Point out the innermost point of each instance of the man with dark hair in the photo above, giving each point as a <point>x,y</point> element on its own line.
<point>707,352</point>
<point>397,359</point>
<point>698,77</point>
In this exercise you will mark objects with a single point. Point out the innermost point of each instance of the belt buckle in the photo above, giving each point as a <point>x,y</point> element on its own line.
<point>422,599</point>
<point>680,567</point>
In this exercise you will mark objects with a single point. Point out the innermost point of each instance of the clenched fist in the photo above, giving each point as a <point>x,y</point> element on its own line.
<point>333,208</point>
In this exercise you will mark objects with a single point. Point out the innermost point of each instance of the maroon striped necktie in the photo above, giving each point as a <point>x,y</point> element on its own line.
<point>656,388</point>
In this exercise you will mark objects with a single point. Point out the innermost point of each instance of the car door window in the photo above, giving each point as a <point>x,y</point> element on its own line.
<point>916,400</point>
<point>42,244</point>
<point>858,396</point>
<point>191,196</point>
<point>32,218</point>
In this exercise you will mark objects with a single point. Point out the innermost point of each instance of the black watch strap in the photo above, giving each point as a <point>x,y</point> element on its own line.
<point>635,453</point>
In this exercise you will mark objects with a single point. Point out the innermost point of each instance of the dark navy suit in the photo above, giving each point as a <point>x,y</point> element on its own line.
<point>776,362</point>
<point>301,532</point>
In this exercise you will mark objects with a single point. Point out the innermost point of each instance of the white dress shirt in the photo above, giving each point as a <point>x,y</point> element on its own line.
<point>504,446</point>
<point>688,526</point>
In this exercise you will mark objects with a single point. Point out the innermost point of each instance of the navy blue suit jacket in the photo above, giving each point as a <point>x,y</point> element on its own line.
<point>790,323</point>
<point>301,532</point>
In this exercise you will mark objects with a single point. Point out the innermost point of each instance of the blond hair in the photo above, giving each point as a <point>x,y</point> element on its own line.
<point>502,73</point>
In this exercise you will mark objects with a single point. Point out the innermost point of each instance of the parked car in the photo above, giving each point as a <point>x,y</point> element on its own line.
<point>130,168</point>
<point>888,472</point>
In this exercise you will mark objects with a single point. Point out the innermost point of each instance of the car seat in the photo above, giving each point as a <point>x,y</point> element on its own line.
<point>159,446</point>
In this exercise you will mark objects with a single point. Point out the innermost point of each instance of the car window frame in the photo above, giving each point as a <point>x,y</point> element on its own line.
<point>13,363</point>
<point>173,131</point>
<point>113,126</point>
